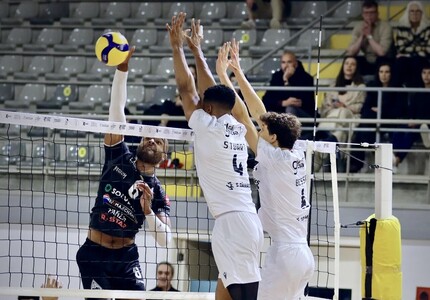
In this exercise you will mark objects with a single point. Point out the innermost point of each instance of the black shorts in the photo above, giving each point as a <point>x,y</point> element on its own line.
<point>109,269</point>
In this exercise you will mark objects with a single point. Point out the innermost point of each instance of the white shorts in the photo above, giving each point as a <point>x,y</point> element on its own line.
<point>237,239</point>
<point>286,271</point>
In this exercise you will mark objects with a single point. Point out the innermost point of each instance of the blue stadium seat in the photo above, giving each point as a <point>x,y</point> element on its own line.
<point>63,94</point>
<point>212,11</point>
<point>40,155</point>
<point>311,10</point>
<point>4,10</point>
<point>39,66</point>
<point>47,37</point>
<point>27,10</point>
<point>70,65</point>
<point>146,11</point>
<point>10,64</point>
<point>246,37</point>
<point>11,153</point>
<point>17,37</point>
<point>79,38</point>
<point>203,286</point>
<point>7,92</point>
<point>272,38</point>
<point>143,38</point>
<point>112,12</point>
<point>174,9</point>
<point>81,12</point>
<point>30,94</point>
<point>237,12</point>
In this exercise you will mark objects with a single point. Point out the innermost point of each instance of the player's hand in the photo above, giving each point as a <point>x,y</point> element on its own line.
<point>146,197</point>
<point>289,71</point>
<point>234,56</point>
<point>222,61</point>
<point>51,282</point>
<point>124,66</point>
<point>194,36</point>
<point>175,30</point>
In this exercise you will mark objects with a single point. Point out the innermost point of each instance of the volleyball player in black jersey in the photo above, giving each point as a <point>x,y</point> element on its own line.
<point>128,193</point>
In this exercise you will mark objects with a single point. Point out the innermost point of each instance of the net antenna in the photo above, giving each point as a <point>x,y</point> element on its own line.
<point>328,250</point>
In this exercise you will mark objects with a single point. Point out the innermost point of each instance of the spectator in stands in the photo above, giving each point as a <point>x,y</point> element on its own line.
<point>291,74</point>
<point>419,108</point>
<point>372,36</point>
<point>412,43</point>
<point>173,108</point>
<point>165,274</point>
<point>276,10</point>
<point>393,106</point>
<point>342,104</point>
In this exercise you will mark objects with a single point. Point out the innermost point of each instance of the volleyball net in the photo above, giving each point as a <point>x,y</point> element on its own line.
<point>50,167</point>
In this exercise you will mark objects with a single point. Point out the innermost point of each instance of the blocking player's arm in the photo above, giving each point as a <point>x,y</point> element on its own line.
<point>239,111</point>
<point>204,74</point>
<point>254,103</point>
<point>118,99</point>
<point>184,78</point>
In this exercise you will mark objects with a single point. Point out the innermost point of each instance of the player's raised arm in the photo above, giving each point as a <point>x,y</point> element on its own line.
<point>239,111</point>
<point>204,74</point>
<point>254,103</point>
<point>118,98</point>
<point>183,76</point>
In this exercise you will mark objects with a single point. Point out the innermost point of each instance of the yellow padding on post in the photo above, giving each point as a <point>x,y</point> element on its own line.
<point>183,191</point>
<point>387,259</point>
<point>185,157</point>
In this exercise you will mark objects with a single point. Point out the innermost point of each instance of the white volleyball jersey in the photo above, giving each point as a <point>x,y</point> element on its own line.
<point>281,179</point>
<point>221,154</point>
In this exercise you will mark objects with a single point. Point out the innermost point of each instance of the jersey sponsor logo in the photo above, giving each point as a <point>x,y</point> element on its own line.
<point>225,275</point>
<point>297,164</point>
<point>113,219</point>
<point>235,146</point>
<point>304,203</point>
<point>232,130</point>
<point>133,192</point>
<point>301,181</point>
<point>303,218</point>
<point>117,214</point>
<point>115,192</point>
<point>95,285</point>
<point>120,172</point>
<point>129,213</point>
<point>237,168</point>
<point>232,185</point>
<point>257,183</point>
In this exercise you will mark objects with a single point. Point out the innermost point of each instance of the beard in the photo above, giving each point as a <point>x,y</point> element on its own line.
<point>148,155</point>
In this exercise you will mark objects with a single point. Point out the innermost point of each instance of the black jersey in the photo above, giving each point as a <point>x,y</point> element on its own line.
<point>117,210</point>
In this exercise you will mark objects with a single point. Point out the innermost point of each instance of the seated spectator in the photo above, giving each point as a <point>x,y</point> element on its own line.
<point>170,108</point>
<point>412,43</point>
<point>165,274</point>
<point>393,106</point>
<point>276,10</point>
<point>291,74</point>
<point>373,37</point>
<point>299,103</point>
<point>342,104</point>
<point>419,108</point>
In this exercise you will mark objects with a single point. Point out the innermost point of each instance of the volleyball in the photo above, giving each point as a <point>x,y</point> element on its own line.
<point>112,48</point>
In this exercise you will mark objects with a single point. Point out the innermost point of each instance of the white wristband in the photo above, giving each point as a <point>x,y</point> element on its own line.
<point>159,230</point>
<point>118,97</point>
